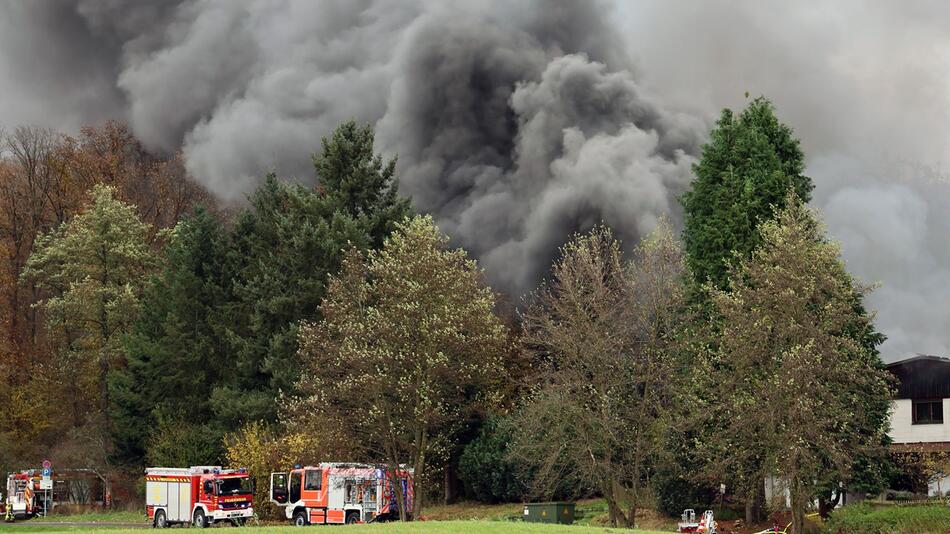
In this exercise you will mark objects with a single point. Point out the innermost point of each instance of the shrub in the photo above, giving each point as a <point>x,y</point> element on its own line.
<point>180,443</point>
<point>262,450</point>
<point>484,468</point>
<point>674,492</point>
<point>867,519</point>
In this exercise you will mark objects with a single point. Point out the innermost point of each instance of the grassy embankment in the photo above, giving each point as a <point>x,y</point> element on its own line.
<point>895,519</point>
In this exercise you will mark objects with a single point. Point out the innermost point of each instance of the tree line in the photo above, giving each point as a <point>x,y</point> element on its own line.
<point>333,322</point>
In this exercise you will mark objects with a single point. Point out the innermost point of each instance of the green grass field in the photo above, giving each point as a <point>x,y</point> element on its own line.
<point>112,517</point>
<point>460,518</point>
<point>424,527</point>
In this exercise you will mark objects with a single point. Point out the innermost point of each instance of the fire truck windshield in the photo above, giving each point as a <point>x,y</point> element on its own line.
<point>234,486</point>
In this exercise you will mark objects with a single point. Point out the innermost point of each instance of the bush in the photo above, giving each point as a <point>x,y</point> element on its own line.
<point>867,519</point>
<point>674,493</point>
<point>263,449</point>
<point>484,468</point>
<point>180,443</point>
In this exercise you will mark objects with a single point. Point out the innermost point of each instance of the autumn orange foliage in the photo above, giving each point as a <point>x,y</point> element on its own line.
<point>44,180</point>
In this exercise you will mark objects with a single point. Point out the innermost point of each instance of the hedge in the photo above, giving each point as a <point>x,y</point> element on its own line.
<point>867,519</point>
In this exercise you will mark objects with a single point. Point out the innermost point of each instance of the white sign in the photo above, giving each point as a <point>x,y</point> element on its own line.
<point>46,483</point>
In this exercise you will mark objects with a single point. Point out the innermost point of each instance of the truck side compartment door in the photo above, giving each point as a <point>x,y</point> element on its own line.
<point>278,488</point>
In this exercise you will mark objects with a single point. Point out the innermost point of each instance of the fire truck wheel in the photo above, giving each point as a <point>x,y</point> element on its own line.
<point>160,519</point>
<point>200,520</point>
<point>300,519</point>
<point>352,518</point>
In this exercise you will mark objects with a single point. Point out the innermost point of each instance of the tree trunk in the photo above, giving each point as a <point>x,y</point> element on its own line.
<point>397,489</point>
<point>826,505</point>
<point>799,499</point>
<point>632,512</point>
<point>749,510</point>
<point>418,474</point>
<point>451,482</point>
<point>613,511</point>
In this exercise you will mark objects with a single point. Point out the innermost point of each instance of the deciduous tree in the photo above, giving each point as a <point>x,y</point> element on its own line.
<point>800,388</point>
<point>604,334</point>
<point>408,346</point>
<point>93,268</point>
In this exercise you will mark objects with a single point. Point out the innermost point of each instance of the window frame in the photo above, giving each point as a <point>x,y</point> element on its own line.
<point>294,486</point>
<point>930,420</point>
<point>308,475</point>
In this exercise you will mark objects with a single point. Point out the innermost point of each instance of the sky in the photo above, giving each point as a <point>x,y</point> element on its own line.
<point>517,123</point>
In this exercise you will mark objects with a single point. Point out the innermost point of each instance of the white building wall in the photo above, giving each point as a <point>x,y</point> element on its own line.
<point>938,487</point>
<point>904,431</point>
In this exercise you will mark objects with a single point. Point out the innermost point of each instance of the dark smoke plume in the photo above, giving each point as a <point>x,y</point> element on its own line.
<point>519,122</point>
<point>515,123</point>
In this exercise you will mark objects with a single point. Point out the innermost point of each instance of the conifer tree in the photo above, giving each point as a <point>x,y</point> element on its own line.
<point>174,346</point>
<point>285,247</point>
<point>746,168</point>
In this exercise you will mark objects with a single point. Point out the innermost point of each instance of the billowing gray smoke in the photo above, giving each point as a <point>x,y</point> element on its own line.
<point>515,123</point>
<point>519,122</point>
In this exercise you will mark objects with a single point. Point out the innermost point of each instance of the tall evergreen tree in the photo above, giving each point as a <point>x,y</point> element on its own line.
<point>751,161</point>
<point>359,182</point>
<point>284,248</point>
<point>743,179</point>
<point>174,345</point>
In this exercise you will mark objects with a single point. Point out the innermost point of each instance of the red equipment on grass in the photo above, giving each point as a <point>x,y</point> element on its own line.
<point>200,495</point>
<point>334,493</point>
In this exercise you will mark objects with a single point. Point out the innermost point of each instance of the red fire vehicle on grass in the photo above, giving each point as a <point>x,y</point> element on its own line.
<point>24,498</point>
<point>334,493</point>
<point>200,495</point>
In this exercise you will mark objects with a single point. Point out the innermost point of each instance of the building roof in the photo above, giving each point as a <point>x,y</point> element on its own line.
<point>922,376</point>
<point>919,357</point>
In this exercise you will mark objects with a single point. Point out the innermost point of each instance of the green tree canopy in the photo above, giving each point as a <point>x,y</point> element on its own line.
<point>802,391</point>
<point>92,269</point>
<point>408,348</point>
<point>749,164</point>
<point>284,248</point>
<point>175,344</point>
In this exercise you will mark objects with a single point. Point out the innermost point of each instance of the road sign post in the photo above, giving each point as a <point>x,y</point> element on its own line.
<point>46,484</point>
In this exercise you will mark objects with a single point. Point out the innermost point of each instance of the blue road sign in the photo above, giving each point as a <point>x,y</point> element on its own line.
<point>47,471</point>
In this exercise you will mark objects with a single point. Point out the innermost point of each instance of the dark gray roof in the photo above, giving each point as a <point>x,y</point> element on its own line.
<point>919,357</point>
<point>922,376</point>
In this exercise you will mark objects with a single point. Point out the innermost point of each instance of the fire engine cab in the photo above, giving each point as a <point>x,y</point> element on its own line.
<point>334,493</point>
<point>200,495</point>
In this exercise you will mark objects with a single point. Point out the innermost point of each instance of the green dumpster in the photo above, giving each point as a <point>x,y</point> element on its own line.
<point>549,512</point>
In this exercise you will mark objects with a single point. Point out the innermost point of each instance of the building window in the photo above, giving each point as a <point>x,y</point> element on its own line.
<point>313,480</point>
<point>928,412</point>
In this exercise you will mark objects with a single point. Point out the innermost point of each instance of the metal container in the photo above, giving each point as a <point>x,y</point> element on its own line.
<point>549,512</point>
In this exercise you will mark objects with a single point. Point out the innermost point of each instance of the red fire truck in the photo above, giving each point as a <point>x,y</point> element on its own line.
<point>334,493</point>
<point>200,495</point>
<point>24,498</point>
